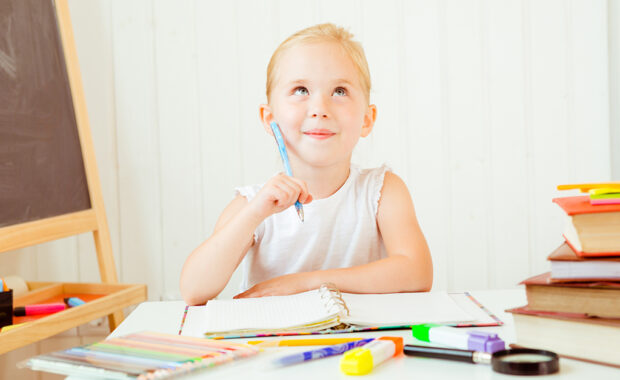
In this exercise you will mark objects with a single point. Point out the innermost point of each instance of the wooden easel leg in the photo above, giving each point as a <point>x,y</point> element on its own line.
<point>115,319</point>
<point>107,270</point>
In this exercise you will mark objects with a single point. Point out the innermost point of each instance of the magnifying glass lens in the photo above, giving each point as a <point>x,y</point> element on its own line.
<point>526,358</point>
<point>524,361</point>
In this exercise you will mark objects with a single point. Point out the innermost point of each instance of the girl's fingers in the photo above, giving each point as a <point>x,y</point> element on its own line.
<point>306,200</point>
<point>296,188</point>
<point>288,193</point>
<point>301,188</point>
<point>279,195</point>
<point>284,190</point>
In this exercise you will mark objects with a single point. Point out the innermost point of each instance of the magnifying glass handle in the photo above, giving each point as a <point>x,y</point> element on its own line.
<point>448,354</point>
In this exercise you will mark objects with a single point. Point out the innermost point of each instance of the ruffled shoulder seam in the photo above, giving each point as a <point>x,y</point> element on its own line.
<point>376,185</point>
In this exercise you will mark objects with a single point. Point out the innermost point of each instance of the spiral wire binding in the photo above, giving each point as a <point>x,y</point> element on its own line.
<point>330,292</point>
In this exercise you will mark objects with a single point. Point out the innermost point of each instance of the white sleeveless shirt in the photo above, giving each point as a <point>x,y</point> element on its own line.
<point>338,231</point>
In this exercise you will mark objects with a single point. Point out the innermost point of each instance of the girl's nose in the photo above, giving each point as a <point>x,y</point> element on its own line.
<point>318,108</point>
<point>321,115</point>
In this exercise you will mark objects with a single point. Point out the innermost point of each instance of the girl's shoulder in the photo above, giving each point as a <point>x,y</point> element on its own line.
<point>369,182</point>
<point>372,178</point>
<point>370,173</point>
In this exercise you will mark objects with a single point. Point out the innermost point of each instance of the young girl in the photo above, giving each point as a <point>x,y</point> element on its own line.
<point>360,230</point>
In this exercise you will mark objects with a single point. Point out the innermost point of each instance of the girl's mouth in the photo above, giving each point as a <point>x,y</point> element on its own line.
<point>319,134</point>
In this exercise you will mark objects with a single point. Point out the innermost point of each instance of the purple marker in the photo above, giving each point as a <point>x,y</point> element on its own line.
<point>324,352</point>
<point>453,337</point>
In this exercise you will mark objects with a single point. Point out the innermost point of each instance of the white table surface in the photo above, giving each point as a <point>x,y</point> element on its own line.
<point>166,317</point>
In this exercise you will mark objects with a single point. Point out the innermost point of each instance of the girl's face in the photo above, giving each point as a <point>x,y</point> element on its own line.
<point>319,104</point>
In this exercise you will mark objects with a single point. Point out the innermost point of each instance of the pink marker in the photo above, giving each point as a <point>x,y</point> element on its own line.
<point>46,308</point>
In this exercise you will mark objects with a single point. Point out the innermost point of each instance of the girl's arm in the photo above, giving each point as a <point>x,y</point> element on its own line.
<point>209,267</point>
<point>407,268</point>
<point>207,270</point>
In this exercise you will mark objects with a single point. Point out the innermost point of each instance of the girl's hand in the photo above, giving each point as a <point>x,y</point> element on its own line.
<point>281,286</point>
<point>280,193</point>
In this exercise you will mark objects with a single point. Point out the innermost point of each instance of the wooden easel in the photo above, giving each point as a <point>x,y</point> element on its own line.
<point>89,219</point>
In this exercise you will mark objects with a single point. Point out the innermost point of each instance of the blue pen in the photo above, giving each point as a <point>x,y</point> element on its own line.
<point>320,353</point>
<point>287,166</point>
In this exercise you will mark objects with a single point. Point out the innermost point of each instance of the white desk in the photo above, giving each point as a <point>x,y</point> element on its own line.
<point>166,317</point>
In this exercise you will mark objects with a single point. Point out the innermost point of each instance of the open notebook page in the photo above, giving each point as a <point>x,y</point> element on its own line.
<point>263,313</point>
<point>398,309</point>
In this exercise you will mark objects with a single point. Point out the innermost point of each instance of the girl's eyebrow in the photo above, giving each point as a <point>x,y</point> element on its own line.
<point>334,82</point>
<point>297,81</point>
<point>345,81</point>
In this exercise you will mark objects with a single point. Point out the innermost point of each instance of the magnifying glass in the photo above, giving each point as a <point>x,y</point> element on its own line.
<point>517,361</point>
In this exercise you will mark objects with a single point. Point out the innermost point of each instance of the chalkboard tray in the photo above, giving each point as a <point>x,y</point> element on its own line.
<point>101,300</point>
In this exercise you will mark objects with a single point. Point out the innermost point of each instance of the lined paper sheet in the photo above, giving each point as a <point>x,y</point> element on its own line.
<point>397,309</point>
<point>257,313</point>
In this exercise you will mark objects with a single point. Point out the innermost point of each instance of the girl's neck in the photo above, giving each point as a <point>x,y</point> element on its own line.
<point>323,181</point>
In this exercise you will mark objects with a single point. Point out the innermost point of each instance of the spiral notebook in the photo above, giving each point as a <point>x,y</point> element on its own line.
<point>326,310</point>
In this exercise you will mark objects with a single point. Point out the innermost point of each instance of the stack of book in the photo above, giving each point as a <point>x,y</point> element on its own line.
<point>574,309</point>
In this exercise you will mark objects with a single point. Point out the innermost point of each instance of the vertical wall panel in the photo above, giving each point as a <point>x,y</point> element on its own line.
<point>139,151</point>
<point>220,121</point>
<point>589,92</point>
<point>290,16</point>
<point>507,175</point>
<point>382,36</point>
<point>179,136</point>
<point>22,262</point>
<point>548,125</point>
<point>259,157</point>
<point>426,177</point>
<point>346,13</point>
<point>93,38</point>
<point>58,260</point>
<point>468,144</point>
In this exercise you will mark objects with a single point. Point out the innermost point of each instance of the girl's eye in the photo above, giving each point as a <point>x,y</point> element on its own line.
<point>340,91</point>
<point>300,91</point>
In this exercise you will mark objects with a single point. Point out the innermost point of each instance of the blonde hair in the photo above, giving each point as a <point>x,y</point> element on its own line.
<point>323,33</point>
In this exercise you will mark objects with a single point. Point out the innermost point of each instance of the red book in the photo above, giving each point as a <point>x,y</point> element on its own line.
<point>581,205</point>
<point>591,230</point>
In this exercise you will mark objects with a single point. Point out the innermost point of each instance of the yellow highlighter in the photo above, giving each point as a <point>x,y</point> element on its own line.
<point>605,190</point>
<point>586,187</point>
<point>361,360</point>
<point>10,327</point>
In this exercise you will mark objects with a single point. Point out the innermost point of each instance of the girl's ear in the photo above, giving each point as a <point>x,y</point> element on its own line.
<point>369,120</point>
<point>266,117</point>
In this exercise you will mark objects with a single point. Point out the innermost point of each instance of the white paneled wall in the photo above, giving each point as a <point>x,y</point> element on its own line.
<point>483,107</point>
